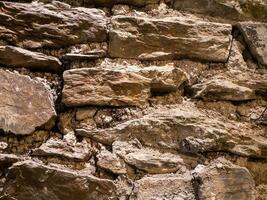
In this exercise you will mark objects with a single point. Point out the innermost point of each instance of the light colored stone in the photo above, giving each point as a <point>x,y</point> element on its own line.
<point>223,180</point>
<point>73,151</point>
<point>110,162</point>
<point>25,103</point>
<point>231,10</point>
<point>146,159</point>
<point>158,187</point>
<point>168,38</point>
<point>118,87</point>
<point>219,89</point>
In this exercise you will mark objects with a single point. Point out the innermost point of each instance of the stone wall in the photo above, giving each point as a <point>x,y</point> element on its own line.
<point>133,100</point>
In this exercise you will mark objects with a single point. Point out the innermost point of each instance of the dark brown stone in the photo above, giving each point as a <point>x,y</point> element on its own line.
<point>17,57</point>
<point>55,25</point>
<point>31,180</point>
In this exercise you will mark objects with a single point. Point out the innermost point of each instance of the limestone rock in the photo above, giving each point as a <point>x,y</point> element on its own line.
<point>224,180</point>
<point>148,160</point>
<point>38,25</point>
<point>25,103</point>
<point>36,181</point>
<point>185,128</point>
<point>110,162</point>
<point>169,38</point>
<point>171,186</point>
<point>217,89</point>
<point>55,147</point>
<point>255,36</point>
<point>118,87</point>
<point>17,57</point>
<point>228,9</point>
<point>89,56</point>
<point>231,10</point>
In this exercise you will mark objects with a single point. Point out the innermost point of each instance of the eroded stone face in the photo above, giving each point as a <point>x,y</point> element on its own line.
<point>17,57</point>
<point>171,186</point>
<point>55,25</point>
<point>25,103</point>
<point>73,151</point>
<point>186,128</point>
<point>223,180</point>
<point>231,10</point>
<point>217,89</point>
<point>110,162</point>
<point>148,160</point>
<point>37,181</point>
<point>255,36</point>
<point>118,87</point>
<point>164,39</point>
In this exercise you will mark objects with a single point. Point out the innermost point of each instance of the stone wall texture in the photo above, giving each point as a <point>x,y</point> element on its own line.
<point>133,100</point>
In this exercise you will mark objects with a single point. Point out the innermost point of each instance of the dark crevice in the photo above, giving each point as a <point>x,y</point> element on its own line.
<point>196,182</point>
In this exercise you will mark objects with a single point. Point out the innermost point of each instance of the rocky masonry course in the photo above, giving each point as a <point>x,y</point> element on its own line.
<point>133,100</point>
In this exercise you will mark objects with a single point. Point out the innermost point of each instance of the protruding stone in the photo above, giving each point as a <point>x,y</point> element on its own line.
<point>170,186</point>
<point>89,56</point>
<point>185,128</point>
<point>73,151</point>
<point>148,160</point>
<point>171,38</point>
<point>231,10</point>
<point>17,57</point>
<point>118,87</point>
<point>36,181</point>
<point>219,89</point>
<point>25,103</point>
<point>223,180</point>
<point>38,25</point>
<point>110,162</point>
<point>256,38</point>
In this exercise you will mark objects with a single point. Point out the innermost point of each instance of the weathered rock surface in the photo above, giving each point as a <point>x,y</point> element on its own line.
<point>118,87</point>
<point>73,151</point>
<point>185,128</point>
<point>170,38</point>
<point>136,121</point>
<point>25,103</point>
<point>17,57</point>
<point>217,89</point>
<point>106,3</point>
<point>256,38</point>
<point>31,180</point>
<point>233,10</point>
<point>89,56</point>
<point>148,160</point>
<point>110,162</point>
<point>55,25</point>
<point>112,2</point>
<point>223,180</point>
<point>171,186</point>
